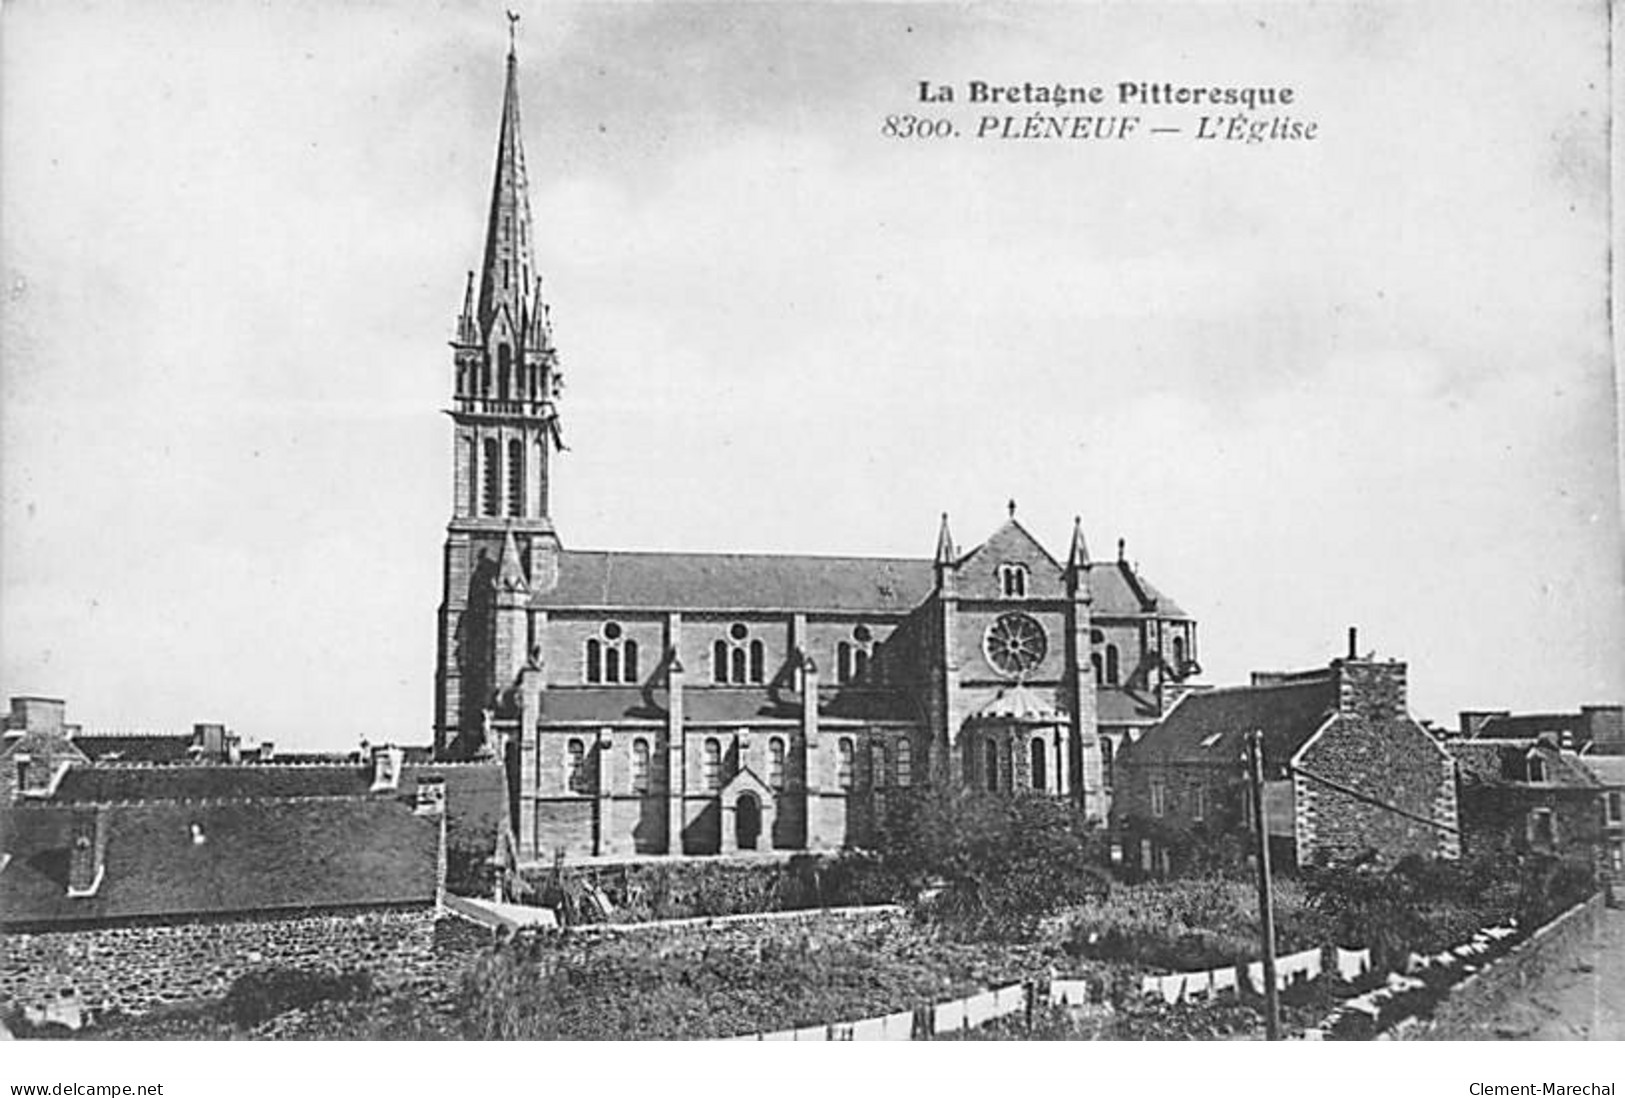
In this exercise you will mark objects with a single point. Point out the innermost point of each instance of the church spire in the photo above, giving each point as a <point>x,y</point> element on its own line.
<point>1078,556</point>
<point>506,278</point>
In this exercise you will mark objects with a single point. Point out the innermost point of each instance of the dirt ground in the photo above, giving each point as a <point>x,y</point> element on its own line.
<point>1580,998</point>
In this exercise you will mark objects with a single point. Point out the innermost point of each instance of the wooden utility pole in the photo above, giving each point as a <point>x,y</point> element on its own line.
<point>1266,903</point>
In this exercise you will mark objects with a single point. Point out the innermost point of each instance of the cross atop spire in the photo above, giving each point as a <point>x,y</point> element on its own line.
<point>506,277</point>
<point>513,28</point>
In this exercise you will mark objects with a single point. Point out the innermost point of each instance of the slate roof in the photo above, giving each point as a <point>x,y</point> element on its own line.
<point>144,747</point>
<point>1208,727</point>
<point>758,581</point>
<point>1529,725</point>
<point>1609,770</point>
<point>256,856</point>
<point>715,705</point>
<point>476,793</point>
<point>1498,762</point>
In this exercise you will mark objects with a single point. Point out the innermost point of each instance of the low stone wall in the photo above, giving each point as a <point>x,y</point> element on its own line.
<point>1457,1017</point>
<point>134,969</point>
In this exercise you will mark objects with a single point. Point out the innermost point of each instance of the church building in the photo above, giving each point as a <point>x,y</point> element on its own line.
<point>695,704</point>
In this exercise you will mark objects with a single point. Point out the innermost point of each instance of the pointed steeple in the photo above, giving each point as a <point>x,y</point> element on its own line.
<point>1078,556</point>
<point>945,544</point>
<point>505,277</point>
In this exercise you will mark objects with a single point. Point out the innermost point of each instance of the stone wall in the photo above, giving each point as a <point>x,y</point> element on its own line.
<point>134,969</point>
<point>1392,761</point>
<point>1481,994</point>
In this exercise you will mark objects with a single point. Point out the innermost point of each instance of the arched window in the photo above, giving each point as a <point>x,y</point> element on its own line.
<point>1009,766</point>
<point>1111,665</point>
<point>713,765</point>
<point>640,765</point>
<point>775,763</point>
<point>843,762</point>
<point>737,659</point>
<point>853,657</point>
<point>575,756</point>
<point>1013,580</point>
<point>612,656</point>
<point>504,370</point>
<point>1040,771</point>
<point>877,764</point>
<point>905,762</point>
<point>516,478</point>
<point>992,753</point>
<point>493,478</point>
<point>1094,663</point>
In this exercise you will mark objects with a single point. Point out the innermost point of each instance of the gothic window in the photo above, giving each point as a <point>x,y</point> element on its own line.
<point>1009,767</point>
<point>905,762</point>
<point>1106,751</point>
<point>843,762</point>
<point>1040,772</point>
<point>853,657</point>
<point>1111,665</point>
<point>713,765</point>
<point>516,478</point>
<point>640,765</point>
<point>493,477</point>
<point>1094,663</point>
<point>504,371</point>
<point>775,763</point>
<point>738,659</point>
<point>612,656</point>
<point>992,753</point>
<point>877,764</point>
<point>575,758</point>
<point>1013,580</point>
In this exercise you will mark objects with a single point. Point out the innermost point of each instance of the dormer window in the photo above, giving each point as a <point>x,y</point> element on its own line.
<point>1013,580</point>
<point>612,656</point>
<point>1537,768</point>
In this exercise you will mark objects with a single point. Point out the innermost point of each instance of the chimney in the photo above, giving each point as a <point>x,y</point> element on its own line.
<point>1604,728</point>
<point>1354,642</point>
<point>209,742</point>
<point>37,714</point>
<point>386,768</point>
<point>1372,689</point>
<point>430,797</point>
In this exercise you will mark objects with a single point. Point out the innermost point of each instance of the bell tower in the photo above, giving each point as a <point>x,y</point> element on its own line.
<point>500,543</point>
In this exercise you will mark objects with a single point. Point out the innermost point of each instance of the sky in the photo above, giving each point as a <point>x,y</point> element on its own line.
<point>1364,380</point>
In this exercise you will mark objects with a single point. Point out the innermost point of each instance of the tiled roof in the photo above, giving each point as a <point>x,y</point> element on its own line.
<point>754,581</point>
<point>1114,706</point>
<point>1499,762</point>
<point>254,856</point>
<point>1208,727</point>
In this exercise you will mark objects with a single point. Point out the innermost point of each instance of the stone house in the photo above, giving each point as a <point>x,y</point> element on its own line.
<point>1346,771</point>
<point>1531,796</point>
<point>656,703</point>
<point>1609,771</point>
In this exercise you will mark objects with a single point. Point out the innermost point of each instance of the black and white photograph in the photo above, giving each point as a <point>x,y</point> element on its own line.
<point>809,522</point>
